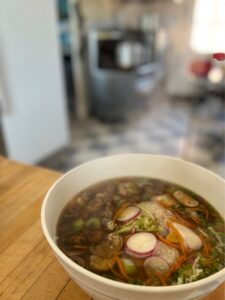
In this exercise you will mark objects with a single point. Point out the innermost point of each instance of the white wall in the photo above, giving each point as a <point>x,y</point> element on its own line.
<point>35,124</point>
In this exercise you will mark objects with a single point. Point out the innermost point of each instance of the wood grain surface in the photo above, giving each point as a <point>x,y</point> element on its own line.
<point>28,268</point>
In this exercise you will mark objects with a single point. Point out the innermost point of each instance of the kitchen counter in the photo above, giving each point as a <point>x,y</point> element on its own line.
<point>29,269</point>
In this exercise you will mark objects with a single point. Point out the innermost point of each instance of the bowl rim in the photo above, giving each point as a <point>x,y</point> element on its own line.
<point>112,283</point>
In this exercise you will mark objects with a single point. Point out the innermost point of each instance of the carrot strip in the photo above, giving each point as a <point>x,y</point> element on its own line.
<point>205,249</point>
<point>195,208</point>
<point>117,274</point>
<point>203,210</point>
<point>177,265</point>
<point>206,214</point>
<point>161,278</point>
<point>180,260</point>
<point>195,219</point>
<point>183,248</point>
<point>188,257</point>
<point>121,268</point>
<point>170,271</point>
<point>148,281</point>
<point>184,222</point>
<point>183,258</point>
<point>167,242</point>
<point>180,238</point>
<point>206,246</point>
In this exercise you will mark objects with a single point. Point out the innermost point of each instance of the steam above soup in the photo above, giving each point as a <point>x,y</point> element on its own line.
<point>143,231</point>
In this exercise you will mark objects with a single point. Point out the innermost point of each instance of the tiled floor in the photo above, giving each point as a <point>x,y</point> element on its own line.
<point>167,126</point>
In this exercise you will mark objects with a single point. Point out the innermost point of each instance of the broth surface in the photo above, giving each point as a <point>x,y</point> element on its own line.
<point>143,231</point>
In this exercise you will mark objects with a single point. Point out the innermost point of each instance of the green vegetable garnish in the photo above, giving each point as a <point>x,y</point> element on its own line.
<point>188,273</point>
<point>78,224</point>
<point>142,223</point>
<point>93,223</point>
<point>129,266</point>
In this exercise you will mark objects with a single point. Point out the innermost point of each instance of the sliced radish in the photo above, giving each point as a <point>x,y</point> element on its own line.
<point>167,253</point>
<point>192,240</point>
<point>129,213</point>
<point>155,264</point>
<point>185,199</point>
<point>141,244</point>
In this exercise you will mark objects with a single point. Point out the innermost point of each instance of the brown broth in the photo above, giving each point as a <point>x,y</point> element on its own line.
<point>89,232</point>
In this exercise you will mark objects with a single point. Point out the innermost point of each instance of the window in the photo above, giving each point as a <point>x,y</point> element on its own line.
<point>208,29</point>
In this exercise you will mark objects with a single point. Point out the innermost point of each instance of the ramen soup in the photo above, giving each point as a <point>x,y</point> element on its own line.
<point>143,231</point>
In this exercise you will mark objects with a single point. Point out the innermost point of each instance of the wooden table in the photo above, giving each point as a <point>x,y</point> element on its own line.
<point>28,269</point>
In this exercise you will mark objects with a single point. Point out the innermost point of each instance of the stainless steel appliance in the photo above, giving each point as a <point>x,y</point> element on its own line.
<point>121,71</point>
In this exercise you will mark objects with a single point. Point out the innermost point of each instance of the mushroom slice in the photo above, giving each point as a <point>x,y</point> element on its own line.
<point>185,199</point>
<point>109,247</point>
<point>115,241</point>
<point>100,264</point>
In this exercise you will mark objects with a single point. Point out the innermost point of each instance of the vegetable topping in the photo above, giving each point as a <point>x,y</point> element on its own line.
<point>141,244</point>
<point>128,214</point>
<point>143,231</point>
<point>185,199</point>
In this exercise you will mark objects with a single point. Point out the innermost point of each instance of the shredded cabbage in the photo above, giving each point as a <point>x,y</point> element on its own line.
<point>221,244</point>
<point>189,273</point>
<point>141,223</point>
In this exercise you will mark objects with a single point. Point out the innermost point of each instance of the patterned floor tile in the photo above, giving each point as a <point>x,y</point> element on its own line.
<point>168,127</point>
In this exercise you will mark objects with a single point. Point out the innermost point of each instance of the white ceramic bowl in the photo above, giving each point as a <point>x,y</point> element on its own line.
<point>195,178</point>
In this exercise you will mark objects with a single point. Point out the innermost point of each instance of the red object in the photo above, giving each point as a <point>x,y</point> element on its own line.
<point>219,56</point>
<point>200,68</point>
